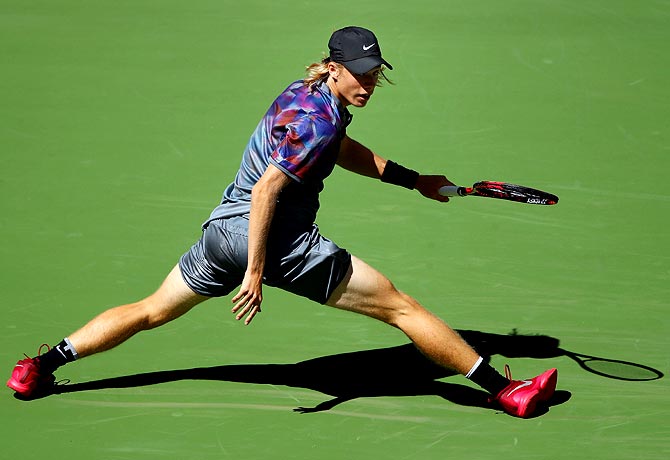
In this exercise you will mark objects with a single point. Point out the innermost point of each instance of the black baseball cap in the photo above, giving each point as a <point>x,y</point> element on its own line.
<point>357,49</point>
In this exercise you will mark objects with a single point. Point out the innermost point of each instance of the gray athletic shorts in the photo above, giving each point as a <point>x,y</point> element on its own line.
<point>299,261</point>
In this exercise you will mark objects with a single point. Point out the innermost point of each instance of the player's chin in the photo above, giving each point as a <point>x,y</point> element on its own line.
<point>361,100</point>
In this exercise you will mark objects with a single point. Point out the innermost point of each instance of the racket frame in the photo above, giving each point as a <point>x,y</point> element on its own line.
<point>501,190</point>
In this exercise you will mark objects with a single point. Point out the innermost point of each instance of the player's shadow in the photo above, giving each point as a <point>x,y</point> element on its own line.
<point>394,371</point>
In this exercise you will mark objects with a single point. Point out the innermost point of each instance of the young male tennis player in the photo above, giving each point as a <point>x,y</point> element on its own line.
<point>263,232</point>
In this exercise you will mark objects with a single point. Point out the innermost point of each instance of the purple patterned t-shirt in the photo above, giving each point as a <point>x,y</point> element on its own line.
<point>300,134</point>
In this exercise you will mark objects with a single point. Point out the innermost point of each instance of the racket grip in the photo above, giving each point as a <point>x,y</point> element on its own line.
<point>452,190</point>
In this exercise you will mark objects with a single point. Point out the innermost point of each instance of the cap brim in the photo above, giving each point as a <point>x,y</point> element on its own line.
<point>365,64</point>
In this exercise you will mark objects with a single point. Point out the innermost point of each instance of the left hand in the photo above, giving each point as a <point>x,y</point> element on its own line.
<point>428,186</point>
<point>248,300</point>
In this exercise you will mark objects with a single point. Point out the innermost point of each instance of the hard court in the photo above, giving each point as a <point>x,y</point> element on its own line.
<point>122,122</point>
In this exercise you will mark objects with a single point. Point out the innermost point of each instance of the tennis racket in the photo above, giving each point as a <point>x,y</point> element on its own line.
<point>502,191</point>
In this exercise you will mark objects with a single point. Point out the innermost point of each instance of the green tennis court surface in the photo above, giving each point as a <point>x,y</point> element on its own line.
<point>122,122</point>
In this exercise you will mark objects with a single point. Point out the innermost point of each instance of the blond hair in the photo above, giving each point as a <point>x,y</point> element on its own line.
<point>317,72</point>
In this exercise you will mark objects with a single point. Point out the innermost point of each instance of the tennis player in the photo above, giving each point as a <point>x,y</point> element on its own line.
<point>263,232</point>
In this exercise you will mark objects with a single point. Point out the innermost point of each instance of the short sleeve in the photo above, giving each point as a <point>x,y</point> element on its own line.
<point>306,140</point>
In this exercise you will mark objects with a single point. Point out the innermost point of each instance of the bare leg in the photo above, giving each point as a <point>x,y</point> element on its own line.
<point>116,325</point>
<point>368,292</point>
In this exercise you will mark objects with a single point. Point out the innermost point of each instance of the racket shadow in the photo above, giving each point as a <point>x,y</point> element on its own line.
<point>514,345</point>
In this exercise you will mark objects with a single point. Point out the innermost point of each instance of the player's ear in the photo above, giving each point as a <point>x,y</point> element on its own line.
<point>334,70</point>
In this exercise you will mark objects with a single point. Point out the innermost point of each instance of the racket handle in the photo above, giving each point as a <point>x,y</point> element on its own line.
<point>452,190</point>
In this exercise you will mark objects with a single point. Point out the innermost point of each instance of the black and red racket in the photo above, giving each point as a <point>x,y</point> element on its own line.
<point>502,191</point>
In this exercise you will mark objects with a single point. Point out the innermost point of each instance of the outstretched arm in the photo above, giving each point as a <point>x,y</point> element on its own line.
<point>357,158</point>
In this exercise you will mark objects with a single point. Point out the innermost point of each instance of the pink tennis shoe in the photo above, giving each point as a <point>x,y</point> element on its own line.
<point>27,379</point>
<point>521,397</point>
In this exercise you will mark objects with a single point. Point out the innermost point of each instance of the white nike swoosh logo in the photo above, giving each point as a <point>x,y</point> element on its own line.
<point>523,385</point>
<point>365,48</point>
